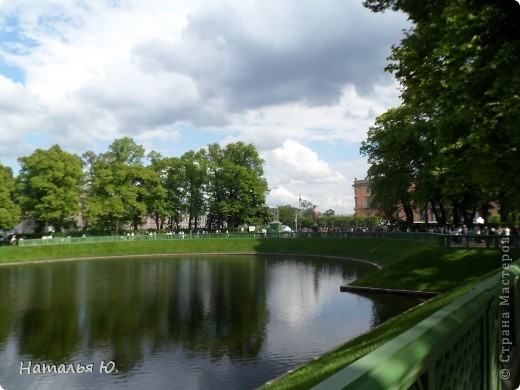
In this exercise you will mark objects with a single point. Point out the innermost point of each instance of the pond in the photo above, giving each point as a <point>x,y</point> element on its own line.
<point>183,322</point>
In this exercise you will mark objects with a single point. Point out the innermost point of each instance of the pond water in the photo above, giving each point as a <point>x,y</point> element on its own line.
<point>219,322</point>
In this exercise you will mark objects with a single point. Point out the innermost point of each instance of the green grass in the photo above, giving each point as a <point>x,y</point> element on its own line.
<point>406,265</point>
<point>380,251</point>
<point>66,251</point>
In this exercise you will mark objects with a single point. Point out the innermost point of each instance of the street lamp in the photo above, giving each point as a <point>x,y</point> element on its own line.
<point>296,214</point>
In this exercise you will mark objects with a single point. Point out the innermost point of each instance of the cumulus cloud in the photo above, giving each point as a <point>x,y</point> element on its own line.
<point>300,164</point>
<point>257,54</point>
<point>20,111</point>
<point>295,170</point>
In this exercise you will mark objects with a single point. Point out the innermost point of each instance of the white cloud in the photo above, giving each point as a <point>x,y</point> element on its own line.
<point>296,162</point>
<point>282,196</point>
<point>286,76</point>
<point>295,170</point>
<point>20,112</point>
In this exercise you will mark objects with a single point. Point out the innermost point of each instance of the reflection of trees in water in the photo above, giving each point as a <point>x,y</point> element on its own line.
<point>214,306</point>
<point>124,309</point>
<point>219,307</point>
<point>38,309</point>
<point>6,305</point>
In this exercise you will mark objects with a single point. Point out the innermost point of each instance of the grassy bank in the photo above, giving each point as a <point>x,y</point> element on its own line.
<point>406,265</point>
<point>66,251</point>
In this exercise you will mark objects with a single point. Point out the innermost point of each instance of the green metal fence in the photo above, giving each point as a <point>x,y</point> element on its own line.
<point>449,241</point>
<point>469,344</point>
<point>478,241</point>
<point>424,237</point>
<point>129,238</point>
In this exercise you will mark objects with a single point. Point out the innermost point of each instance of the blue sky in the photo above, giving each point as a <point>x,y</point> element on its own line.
<point>301,80</point>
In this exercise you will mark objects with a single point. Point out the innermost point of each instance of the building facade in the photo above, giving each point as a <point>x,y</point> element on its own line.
<point>363,208</point>
<point>362,199</point>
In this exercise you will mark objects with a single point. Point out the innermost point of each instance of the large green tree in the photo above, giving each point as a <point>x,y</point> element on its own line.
<point>392,147</point>
<point>194,185</point>
<point>157,201</point>
<point>174,179</point>
<point>237,188</point>
<point>120,186</point>
<point>50,185</point>
<point>458,68</point>
<point>10,212</point>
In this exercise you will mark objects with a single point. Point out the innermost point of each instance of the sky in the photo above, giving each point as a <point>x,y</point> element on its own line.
<point>301,80</point>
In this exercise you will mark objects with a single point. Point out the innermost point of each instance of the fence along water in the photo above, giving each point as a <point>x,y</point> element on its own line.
<point>471,343</point>
<point>443,240</point>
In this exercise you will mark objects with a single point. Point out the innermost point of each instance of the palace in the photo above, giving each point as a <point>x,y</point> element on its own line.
<point>362,207</point>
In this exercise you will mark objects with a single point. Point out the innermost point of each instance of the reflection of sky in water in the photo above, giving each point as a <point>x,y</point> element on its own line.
<point>306,305</point>
<point>176,323</point>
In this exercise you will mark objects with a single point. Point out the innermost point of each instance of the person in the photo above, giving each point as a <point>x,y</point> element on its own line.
<point>13,240</point>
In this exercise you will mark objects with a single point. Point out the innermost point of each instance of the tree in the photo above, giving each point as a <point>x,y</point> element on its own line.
<point>175,196</point>
<point>287,214</point>
<point>458,67</point>
<point>119,186</point>
<point>237,188</point>
<point>10,212</point>
<point>396,154</point>
<point>306,207</point>
<point>194,184</point>
<point>155,203</point>
<point>329,213</point>
<point>50,185</point>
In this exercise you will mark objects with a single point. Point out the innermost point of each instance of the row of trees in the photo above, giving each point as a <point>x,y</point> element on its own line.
<point>452,146</point>
<point>116,189</point>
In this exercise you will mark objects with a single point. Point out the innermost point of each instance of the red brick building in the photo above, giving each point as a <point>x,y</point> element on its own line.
<point>362,207</point>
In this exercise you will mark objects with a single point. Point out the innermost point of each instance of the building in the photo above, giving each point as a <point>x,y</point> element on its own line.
<point>362,207</point>
<point>362,199</point>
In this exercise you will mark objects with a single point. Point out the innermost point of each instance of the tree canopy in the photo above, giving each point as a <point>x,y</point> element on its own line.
<point>122,187</point>
<point>227,183</point>
<point>452,144</point>
<point>50,185</point>
<point>119,186</point>
<point>237,188</point>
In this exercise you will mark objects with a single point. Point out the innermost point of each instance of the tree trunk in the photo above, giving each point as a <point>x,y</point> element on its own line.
<point>408,212</point>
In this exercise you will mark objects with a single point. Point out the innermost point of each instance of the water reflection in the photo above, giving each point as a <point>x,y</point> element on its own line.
<point>219,322</point>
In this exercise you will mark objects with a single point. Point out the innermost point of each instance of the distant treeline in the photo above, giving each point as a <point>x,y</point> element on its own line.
<point>118,188</point>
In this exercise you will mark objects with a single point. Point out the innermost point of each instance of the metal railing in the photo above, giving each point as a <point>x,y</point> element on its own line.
<point>448,241</point>
<point>424,237</point>
<point>129,238</point>
<point>468,344</point>
<point>478,241</point>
